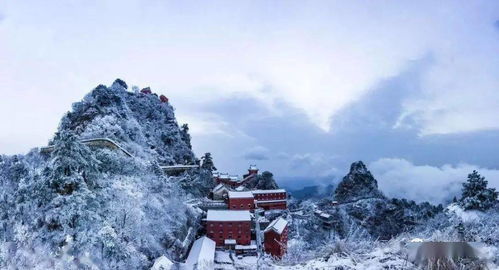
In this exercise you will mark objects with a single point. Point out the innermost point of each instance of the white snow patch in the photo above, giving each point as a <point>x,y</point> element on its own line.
<point>202,254</point>
<point>162,263</point>
<point>228,215</point>
<point>465,216</point>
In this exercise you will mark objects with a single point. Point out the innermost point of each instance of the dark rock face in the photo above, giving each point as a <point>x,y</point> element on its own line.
<point>263,181</point>
<point>361,206</point>
<point>357,184</point>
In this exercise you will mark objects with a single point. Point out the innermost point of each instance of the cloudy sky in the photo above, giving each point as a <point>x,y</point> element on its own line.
<point>301,88</point>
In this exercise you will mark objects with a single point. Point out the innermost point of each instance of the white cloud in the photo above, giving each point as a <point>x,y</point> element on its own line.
<point>401,179</point>
<point>318,57</point>
<point>257,153</point>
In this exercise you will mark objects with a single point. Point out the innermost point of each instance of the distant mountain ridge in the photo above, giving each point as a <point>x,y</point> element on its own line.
<point>312,192</point>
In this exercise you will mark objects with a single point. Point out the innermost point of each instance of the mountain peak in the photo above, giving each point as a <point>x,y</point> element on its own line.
<point>119,83</point>
<point>357,184</point>
<point>142,123</point>
<point>358,168</point>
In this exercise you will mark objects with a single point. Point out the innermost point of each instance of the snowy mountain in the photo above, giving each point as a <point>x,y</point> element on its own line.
<point>357,184</point>
<point>362,229</point>
<point>114,188</point>
<point>107,209</point>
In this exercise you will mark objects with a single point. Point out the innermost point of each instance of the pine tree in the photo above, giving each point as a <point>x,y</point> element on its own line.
<point>186,137</point>
<point>476,195</point>
<point>71,175</point>
<point>208,162</point>
<point>73,164</point>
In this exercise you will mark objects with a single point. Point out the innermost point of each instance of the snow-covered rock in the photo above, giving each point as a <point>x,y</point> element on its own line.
<point>357,184</point>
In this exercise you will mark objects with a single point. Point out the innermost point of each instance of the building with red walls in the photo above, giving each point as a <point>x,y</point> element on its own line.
<point>231,181</point>
<point>224,225</point>
<point>270,194</point>
<point>276,238</point>
<point>265,199</point>
<point>163,99</point>
<point>241,200</point>
<point>146,90</point>
<point>271,199</point>
<point>252,171</point>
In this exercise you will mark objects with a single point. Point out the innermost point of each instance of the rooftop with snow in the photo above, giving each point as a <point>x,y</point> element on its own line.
<point>228,215</point>
<point>240,194</point>
<point>267,191</point>
<point>278,225</point>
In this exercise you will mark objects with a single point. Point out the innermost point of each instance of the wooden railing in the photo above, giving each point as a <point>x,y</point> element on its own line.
<point>109,143</point>
<point>100,142</point>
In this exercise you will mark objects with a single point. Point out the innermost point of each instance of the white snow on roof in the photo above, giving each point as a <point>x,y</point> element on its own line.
<point>260,191</point>
<point>228,215</point>
<point>324,215</point>
<point>240,188</point>
<point>202,253</point>
<point>253,167</point>
<point>162,263</point>
<point>277,225</point>
<point>240,194</point>
<point>223,257</point>
<point>230,241</point>
<point>219,187</point>
<point>271,201</point>
<point>248,247</point>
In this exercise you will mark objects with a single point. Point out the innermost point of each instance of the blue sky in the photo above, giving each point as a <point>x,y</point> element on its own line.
<point>299,88</point>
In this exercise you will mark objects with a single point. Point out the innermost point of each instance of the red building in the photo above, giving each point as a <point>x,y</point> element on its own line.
<point>146,90</point>
<point>253,170</point>
<point>271,199</point>
<point>229,225</point>
<point>241,200</point>
<point>276,238</point>
<point>163,99</point>
<point>231,181</point>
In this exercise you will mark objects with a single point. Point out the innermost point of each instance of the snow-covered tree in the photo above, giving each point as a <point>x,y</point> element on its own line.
<point>208,162</point>
<point>120,211</point>
<point>73,164</point>
<point>186,137</point>
<point>476,195</point>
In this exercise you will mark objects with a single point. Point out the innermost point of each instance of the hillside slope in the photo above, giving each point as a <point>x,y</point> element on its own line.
<point>81,206</point>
